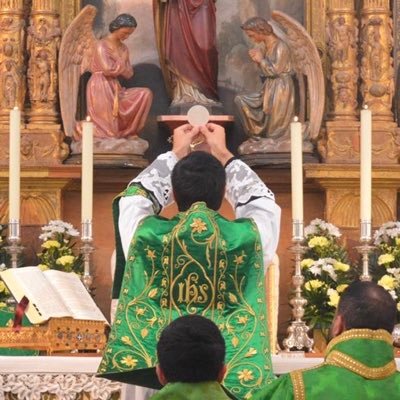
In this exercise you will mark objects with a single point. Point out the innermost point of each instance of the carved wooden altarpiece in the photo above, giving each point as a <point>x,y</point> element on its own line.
<point>344,30</point>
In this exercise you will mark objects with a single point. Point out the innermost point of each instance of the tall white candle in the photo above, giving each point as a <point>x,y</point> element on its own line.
<point>297,169</point>
<point>14,164</point>
<point>87,170</point>
<point>365,164</point>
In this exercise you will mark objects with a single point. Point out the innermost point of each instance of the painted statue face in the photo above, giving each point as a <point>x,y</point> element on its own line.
<point>255,36</point>
<point>124,33</point>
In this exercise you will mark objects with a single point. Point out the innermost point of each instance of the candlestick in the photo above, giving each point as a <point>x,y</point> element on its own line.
<point>365,249</point>
<point>297,169</point>
<point>87,170</point>
<point>87,249</point>
<point>297,331</point>
<point>14,165</point>
<point>365,164</point>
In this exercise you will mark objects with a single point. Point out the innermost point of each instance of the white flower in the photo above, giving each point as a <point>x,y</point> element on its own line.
<point>393,294</point>
<point>316,270</point>
<point>318,226</point>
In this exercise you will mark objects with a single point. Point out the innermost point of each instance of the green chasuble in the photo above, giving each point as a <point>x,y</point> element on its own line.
<point>359,365</point>
<point>195,263</point>
<point>191,391</point>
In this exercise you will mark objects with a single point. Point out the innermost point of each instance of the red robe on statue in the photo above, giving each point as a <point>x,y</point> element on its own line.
<point>189,42</point>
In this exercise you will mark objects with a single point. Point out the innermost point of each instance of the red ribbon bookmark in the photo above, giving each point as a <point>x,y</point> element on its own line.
<point>19,313</point>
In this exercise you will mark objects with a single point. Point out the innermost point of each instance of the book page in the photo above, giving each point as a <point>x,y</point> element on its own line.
<point>75,296</point>
<point>44,301</point>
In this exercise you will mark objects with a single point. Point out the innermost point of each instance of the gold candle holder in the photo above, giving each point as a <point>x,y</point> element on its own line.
<point>298,330</point>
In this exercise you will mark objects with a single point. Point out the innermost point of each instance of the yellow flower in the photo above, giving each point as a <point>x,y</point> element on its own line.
<point>51,243</point>
<point>339,266</point>
<point>198,225</point>
<point>129,361</point>
<point>313,284</point>
<point>65,260</point>
<point>397,241</point>
<point>387,282</point>
<point>245,375</point>
<point>307,262</point>
<point>238,260</point>
<point>2,304</point>
<point>341,288</point>
<point>2,286</point>
<point>318,241</point>
<point>242,319</point>
<point>151,254</point>
<point>43,267</point>
<point>385,259</point>
<point>333,298</point>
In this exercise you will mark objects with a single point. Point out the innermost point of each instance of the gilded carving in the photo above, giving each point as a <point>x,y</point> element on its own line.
<point>377,72</point>
<point>43,43</point>
<point>342,33</point>
<point>12,35</point>
<point>343,203</point>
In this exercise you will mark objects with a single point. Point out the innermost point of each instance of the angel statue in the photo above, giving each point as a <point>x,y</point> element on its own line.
<point>283,52</point>
<point>118,113</point>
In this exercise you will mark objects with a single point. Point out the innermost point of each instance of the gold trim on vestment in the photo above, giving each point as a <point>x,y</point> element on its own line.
<point>299,391</point>
<point>342,360</point>
<point>369,334</point>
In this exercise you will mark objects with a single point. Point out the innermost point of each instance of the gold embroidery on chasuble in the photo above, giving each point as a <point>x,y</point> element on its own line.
<point>201,264</point>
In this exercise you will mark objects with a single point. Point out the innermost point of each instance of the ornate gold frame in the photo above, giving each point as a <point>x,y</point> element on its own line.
<point>68,9</point>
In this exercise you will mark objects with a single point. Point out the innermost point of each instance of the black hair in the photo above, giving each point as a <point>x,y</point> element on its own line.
<point>259,25</point>
<point>122,21</point>
<point>191,349</point>
<point>366,305</point>
<point>198,177</point>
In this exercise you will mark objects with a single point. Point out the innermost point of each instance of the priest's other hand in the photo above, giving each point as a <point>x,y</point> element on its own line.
<point>182,138</point>
<point>215,138</point>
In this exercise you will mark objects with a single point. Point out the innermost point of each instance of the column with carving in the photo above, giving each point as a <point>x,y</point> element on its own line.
<point>377,72</point>
<point>43,42</point>
<point>12,69</point>
<point>340,144</point>
<point>342,35</point>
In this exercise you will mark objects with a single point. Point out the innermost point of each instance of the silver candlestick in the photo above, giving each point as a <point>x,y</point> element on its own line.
<point>87,249</point>
<point>297,331</point>
<point>14,237</point>
<point>365,248</point>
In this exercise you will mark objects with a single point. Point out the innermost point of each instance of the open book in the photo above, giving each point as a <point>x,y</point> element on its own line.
<point>51,294</point>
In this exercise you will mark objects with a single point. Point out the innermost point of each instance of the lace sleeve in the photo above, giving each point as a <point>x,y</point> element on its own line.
<point>243,184</point>
<point>156,178</point>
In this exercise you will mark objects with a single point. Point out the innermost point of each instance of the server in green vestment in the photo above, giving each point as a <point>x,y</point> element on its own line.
<point>198,262</point>
<point>191,354</point>
<point>359,362</point>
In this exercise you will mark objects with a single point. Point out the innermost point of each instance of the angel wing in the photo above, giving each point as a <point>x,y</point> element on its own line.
<point>307,62</point>
<point>76,53</point>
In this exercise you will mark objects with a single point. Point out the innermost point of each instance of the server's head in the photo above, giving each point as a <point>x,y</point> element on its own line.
<point>365,305</point>
<point>198,177</point>
<point>191,349</point>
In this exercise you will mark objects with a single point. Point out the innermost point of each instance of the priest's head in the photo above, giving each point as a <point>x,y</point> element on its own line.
<point>364,305</point>
<point>191,349</point>
<point>198,177</point>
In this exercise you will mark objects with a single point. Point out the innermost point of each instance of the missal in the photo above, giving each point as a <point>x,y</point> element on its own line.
<point>51,294</point>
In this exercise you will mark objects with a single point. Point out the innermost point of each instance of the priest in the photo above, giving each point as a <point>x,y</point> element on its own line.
<point>195,263</point>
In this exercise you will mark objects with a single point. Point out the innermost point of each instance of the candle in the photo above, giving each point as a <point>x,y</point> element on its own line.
<point>365,164</point>
<point>296,138</point>
<point>15,164</point>
<point>87,170</point>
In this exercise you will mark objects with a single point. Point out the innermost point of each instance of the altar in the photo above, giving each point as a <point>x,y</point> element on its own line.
<point>30,378</point>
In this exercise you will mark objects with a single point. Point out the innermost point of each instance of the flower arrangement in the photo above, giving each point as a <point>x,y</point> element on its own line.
<point>57,248</point>
<point>326,272</point>
<point>385,267</point>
